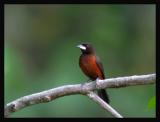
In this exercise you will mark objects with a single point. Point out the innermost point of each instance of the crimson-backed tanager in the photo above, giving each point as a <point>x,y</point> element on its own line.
<point>92,67</point>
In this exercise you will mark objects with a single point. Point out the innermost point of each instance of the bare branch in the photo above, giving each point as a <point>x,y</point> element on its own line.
<point>103,104</point>
<point>126,81</point>
<point>49,95</point>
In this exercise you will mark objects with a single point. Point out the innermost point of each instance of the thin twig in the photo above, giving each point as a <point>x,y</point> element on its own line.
<point>103,104</point>
<point>49,95</point>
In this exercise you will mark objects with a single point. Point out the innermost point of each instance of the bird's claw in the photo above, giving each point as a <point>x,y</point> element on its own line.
<point>97,83</point>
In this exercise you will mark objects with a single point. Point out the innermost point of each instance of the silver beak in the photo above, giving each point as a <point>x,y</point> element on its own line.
<point>81,47</point>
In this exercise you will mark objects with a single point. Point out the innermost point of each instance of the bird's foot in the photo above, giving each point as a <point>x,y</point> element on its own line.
<point>97,83</point>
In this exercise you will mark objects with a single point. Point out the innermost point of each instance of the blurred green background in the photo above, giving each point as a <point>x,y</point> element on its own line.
<point>41,53</point>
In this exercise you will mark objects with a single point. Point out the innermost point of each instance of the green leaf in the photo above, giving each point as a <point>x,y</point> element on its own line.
<point>152,103</point>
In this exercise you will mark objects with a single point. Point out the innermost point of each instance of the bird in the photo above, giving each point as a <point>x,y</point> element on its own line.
<point>92,67</point>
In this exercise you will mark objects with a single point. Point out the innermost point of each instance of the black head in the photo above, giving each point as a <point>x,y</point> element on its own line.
<point>86,48</point>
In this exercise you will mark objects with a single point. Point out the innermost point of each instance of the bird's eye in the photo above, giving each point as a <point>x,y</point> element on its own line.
<point>86,45</point>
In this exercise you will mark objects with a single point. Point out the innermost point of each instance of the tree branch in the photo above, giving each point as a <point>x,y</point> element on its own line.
<point>49,95</point>
<point>103,104</point>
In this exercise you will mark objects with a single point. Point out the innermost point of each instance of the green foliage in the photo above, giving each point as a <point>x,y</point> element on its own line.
<point>152,103</point>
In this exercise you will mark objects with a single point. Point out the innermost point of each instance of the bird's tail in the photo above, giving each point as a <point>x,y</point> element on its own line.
<point>103,94</point>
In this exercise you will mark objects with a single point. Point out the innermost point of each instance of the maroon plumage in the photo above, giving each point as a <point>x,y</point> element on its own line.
<point>92,67</point>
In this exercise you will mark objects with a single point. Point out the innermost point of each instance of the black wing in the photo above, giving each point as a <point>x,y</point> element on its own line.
<point>99,64</point>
